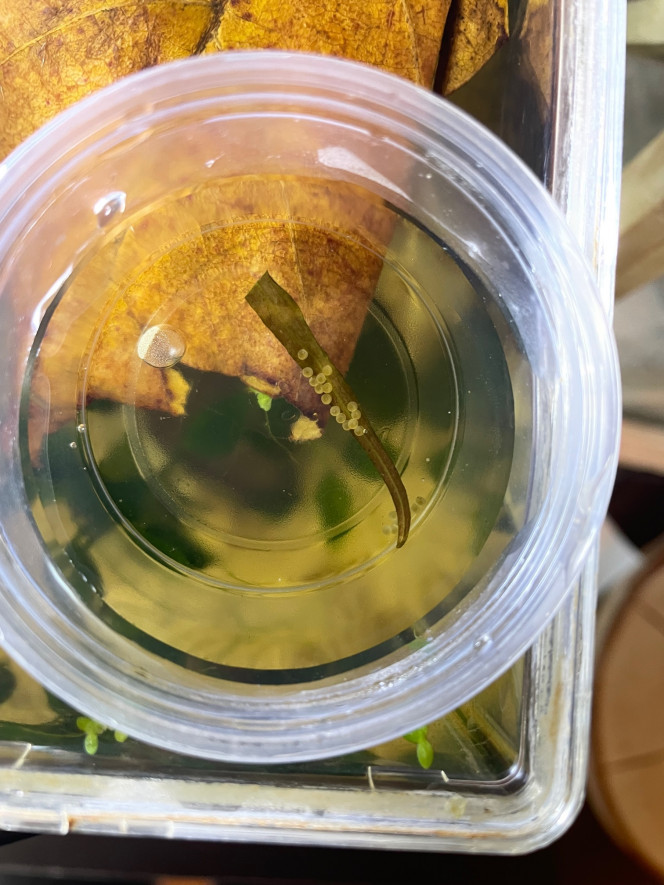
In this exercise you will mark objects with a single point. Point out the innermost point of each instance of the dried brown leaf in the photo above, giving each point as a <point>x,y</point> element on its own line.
<point>53,52</point>
<point>476,29</point>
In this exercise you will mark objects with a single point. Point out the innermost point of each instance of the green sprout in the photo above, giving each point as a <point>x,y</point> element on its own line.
<point>423,747</point>
<point>92,731</point>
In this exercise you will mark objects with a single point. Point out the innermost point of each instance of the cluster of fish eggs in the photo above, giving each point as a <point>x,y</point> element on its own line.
<point>349,416</point>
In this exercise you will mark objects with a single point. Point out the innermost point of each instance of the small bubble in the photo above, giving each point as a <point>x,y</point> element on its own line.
<point>351,406</point>
<point>313,382</point>
<point>72,445</point>
<point>392,514</point>
<point>356,414</point>
<point>427,460</point>
<point>308,372</point>
<point>334,411</point>
<point>302,354</point>
<point>108,206</point>
<point>81,428</point>
<point>161,346</point>
<point>360,431</point>
<point>346,425</point>
<point>420,500</point>
<point>340,417</point>
<point>387,530</point>
<point>393,530</point>
<point>318,388</point>
<point>352,424</point>
<point>326,399</point>
<point>327,387</point>
<point>327,370</point>
<point>320,378</point>
<point>481,642</point>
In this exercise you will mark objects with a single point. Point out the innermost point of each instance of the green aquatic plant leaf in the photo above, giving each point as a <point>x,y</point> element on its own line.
<point>425,753</point>
<point>91,743</point>
<point>417,735</point>
<point>92,731</point>
<point>423,746</point>
<point>264,401</point>
<point>283,317</point>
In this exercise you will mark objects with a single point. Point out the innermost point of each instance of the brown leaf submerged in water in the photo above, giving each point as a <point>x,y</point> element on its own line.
<point>475,30</point>
<point>401,36</point>
<point>56,52</point>
<point>53,52</point>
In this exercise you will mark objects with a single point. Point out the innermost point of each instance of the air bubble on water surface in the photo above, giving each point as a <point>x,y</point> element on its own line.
<point>161,346</point>
<point>108,206</point>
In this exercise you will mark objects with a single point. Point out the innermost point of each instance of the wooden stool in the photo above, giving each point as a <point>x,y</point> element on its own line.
<point>626,779</point>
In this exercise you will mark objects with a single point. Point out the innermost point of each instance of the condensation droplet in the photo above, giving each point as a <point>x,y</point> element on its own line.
<point>420,500</point>
<point>161,346</point>
<point>481,642</point>
<point>209,163</point>
<point>72,445</point>
<point>81,428</point>
<point>108,206</point>
<point>392,514</point>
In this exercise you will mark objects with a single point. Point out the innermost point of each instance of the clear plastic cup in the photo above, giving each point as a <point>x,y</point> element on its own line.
<point>249,604</point>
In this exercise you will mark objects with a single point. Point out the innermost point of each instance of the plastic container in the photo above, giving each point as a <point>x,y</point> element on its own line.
<point>509,773</point>
<point>85,178</point>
